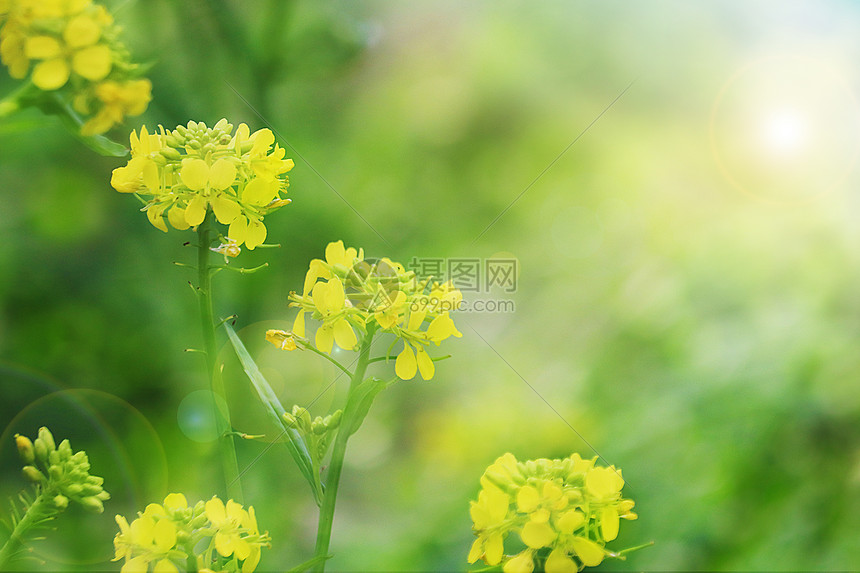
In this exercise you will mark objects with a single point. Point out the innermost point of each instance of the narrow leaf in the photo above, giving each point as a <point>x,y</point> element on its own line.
<point>295,444</point>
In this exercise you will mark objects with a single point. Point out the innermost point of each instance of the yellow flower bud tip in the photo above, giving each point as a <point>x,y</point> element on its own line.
<point>33,474</point>
<point>47,438</point>
<point>281,339</point>
<point>25,448</point>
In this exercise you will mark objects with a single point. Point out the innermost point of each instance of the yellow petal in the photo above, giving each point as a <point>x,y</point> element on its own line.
<point>609,523</point>
<point>175,501</point>
<point>425,364</point>
<point>154,213</point>
<point>256,235</point>
<point>335,295</point>
<point>141,530</point>
<point>260,191</point>
<point>344,335</point>
<point>522,563</point>
<point>441,328</point>
<point>177,219</point>
<point>51,74</point>
<point>93,63</point>
<point>226,210</point>
<point>299,324</point>
<point>559,562</point>
<point>324,338</point>
<point>590,553</point>
<point>224,543</point>
<point>603,482</point>
<point>215,511</point>
<point>164,535</point>
<point>252,561</point>
<point>82,31</point>
<point>416,319</point>
<point>238,230</point>
<point>194,173</point>
<point>241,549</point>
<point>537,535</point>
<point>42,48</point>
<point>165,566</point>
<point>334,253</point>
<point>195,212</point>
<point>150,175</point>
<point>136,565</point>
<point>570,521</point>
<point>494,548</point>
<point>222,174</point>
<point>528,499</point>
<point>406,365</point>
<point>476,551</point>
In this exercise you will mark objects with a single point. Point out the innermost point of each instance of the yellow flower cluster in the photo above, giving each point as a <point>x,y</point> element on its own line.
<point>346,292</point>
<point>563,511</point>
<point>188,171</point>
<point>166,535</point>
<point>75,47</point>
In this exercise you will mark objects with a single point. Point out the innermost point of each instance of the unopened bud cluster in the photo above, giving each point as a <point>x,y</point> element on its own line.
<point>318,432</point>
<point>221,537</point>
<point>62,473</point>
<point>563,511</point>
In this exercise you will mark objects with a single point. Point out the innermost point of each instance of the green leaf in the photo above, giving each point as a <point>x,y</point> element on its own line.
<point>360,402</point>
<point>295,444</point>
<point>307,565</point>
<point>73,122</point>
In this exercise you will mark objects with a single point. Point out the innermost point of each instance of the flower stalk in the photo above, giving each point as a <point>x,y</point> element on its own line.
<point>326,518</point>
<point>216,382</point>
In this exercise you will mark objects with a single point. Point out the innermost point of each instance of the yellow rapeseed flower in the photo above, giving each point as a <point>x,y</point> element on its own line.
<point>153,538</point>
<point>563,511</point>
<point>72,47</point>
<point>194,169</point>
<point>346,292</point>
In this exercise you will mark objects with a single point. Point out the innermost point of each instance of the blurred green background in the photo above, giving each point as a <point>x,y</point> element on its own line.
<point>689,286</point>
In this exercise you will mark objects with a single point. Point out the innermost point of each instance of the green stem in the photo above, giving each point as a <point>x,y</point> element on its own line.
<point>338,453</point>
<point>216,382</point>
<point>14,101</point>
<point>312,348</point>
<point>35,513</point>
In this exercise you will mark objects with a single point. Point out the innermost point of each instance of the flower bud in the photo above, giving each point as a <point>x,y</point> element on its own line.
<point>90,489</point>
<point>25,448</point>
<point>65,450</point>
<point>33,474</point>
<point>103,495</point>
<point>61,502</point>
<point>334,420</point>
<point>92,504</point>
<point>74,489</point>
<point>41,450</point>
<point>56,473</point>
<point>290,420</point>
<point>46,436</point>
<point>318,426</point>
<point>95,480</point>
<point>54,457</point>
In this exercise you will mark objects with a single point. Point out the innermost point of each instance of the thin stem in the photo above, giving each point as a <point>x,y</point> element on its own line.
<point>216,382</point>
<point>338,453</point>
<point>36,512</point>
<point>309,346</point>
